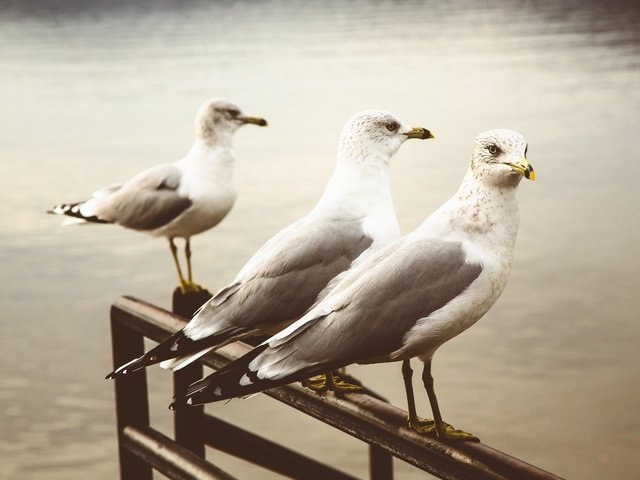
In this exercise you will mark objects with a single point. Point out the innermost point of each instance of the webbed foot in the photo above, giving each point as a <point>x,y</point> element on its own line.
<point>330,382</point>
<point>189,287</point>
<point>428,427</point>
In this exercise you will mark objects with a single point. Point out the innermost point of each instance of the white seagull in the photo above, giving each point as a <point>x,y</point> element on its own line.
<point>179,199</point>
<point>354,217</point>
<point>408,298</point>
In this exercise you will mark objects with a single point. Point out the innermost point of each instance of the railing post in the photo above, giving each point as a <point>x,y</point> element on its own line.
<point>380,464</point>
<point>187,422</point>
<point>132,406</point>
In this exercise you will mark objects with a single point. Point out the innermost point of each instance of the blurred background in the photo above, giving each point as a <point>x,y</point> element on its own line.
<point>93,92</point>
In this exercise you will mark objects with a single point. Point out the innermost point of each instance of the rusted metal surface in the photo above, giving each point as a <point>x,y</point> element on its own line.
<point>367,418</point>
<point>167,457</point>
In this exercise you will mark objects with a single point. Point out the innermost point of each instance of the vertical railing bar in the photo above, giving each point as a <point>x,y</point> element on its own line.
<point>380,464</point>
<point>132,405</point>
<point>187,422</point>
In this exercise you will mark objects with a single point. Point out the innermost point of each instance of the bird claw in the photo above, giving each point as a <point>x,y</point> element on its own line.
<point>189,287</point>
<point>330,383</point>
<point>428,427</point>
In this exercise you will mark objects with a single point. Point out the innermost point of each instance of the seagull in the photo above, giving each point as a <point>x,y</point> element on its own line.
<point>405,300</point>
<point>353,218</point>
<point>178,199</point>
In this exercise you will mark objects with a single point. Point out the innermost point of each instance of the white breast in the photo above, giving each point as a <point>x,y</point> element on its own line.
<point>207,180</point>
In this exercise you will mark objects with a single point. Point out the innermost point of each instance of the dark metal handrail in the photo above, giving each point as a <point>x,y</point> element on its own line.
<point>361,415</point>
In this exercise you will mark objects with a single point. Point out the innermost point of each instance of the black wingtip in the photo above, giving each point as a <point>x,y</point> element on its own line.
<point>211,395</point>
<point>165,351</point>
<point>181,404</point>
<point>225,383</point>
<point>117,373</point>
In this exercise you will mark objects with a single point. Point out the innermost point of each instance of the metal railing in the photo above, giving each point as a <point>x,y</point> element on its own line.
<point>364,416</point>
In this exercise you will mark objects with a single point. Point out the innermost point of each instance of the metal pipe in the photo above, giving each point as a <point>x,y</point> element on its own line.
<point>168,457</point>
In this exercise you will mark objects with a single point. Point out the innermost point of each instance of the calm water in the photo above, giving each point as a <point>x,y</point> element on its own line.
<point>92,95</point>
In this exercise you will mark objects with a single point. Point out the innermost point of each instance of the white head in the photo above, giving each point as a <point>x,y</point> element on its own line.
<point>375,133</point>
<point>499,158</point>
<point>217,119</point>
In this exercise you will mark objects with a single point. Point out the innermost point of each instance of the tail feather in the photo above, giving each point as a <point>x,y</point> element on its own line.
<point>75,210</point>
<point>237,380</point>
<point>223,384</point>
<point>178,345</point>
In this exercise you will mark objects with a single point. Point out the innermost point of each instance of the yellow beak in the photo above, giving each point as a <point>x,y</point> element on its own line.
<point>419,132</point>
<point>255,120</point>
<point>523,168</point>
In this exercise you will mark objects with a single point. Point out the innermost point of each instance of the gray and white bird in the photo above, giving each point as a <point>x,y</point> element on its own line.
<point>407,299</point>
<point>179,199</point>
<point>353,218</point>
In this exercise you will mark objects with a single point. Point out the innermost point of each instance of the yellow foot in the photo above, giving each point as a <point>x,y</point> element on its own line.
<point>325,383</point>
<point>426,426</point>
<point>188,287</point>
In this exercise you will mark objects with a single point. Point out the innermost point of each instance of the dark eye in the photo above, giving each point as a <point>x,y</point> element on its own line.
<point>525,151</point>
<point>492,149</point>
<point>233,112</point>
<point>392,126</point>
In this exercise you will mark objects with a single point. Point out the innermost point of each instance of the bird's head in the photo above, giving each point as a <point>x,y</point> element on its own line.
<point>376,132</point>
<point>499,158</point>
<point>217,118</point>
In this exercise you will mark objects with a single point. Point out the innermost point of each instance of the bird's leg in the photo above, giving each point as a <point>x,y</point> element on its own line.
<point>407,374</point>
<point>187,253</point>
<point>420,425</point>
<point>174,253</point>
<point>427,380</point>
<point>442,430</point>
<point>330,382</point>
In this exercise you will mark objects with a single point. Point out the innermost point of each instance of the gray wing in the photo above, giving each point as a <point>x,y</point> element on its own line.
<point>372,316</point>
<point>286,278</point>
<point>147,201</point>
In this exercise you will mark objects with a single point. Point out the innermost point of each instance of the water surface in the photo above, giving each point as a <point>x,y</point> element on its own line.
<point>91,95</point>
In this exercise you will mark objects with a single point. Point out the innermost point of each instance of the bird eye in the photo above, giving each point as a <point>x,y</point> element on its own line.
<point>391,126</point>
<point>525,151</point>
<point>492,149</point>
<point>233,112</point>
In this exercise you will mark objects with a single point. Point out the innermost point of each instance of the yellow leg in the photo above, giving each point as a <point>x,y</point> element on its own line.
<point>437,426</point>
<point>187,253</point>
<point>174,253</point>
